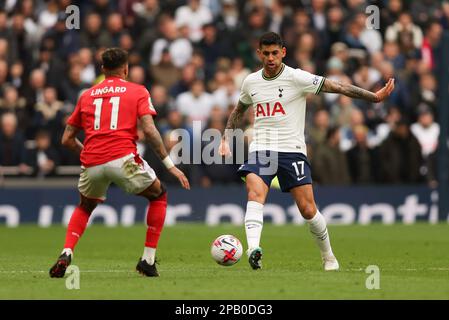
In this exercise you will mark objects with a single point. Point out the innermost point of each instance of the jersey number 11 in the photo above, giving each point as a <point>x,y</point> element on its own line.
<point>115,101</point>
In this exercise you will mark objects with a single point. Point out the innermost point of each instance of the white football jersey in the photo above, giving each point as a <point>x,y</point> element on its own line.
<point>279,105</point>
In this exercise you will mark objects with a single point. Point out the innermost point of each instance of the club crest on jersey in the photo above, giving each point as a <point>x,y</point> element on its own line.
<point>266,110</point>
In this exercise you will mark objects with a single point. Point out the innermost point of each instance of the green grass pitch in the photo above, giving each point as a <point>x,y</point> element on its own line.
<point>413,262</point>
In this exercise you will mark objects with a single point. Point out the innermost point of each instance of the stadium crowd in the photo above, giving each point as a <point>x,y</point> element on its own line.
<point>193,55</point>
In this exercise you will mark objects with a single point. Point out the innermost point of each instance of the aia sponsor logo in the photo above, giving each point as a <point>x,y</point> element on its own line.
<point>266,110</point>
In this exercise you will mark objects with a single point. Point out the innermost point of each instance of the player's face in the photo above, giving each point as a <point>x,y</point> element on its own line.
<point>271,57</point>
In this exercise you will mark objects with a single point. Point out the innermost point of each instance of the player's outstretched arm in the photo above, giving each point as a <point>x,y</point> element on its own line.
<point>70,141</point>
<point>357,92</point>
<point>234,119</point>
<point>155,139</point>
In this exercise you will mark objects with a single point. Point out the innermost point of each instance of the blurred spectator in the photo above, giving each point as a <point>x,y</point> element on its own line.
<point>47,18</point>
<point>366,76</point>
<point>137,75</point>
<point>216,173</point>
<point>317,134</point>
<point>88,74</point>
<point>43,158</point>
<point>12,145</point>
<point>93,35</point>
<point>188,75</point>
<point>238,72</point>
<point>12,102</point>
<point>196,103</point>
<point>280,17</point>
<point>370,38</point>
<point>17,75</point>
<point>195,16</point>
<point>165,73</point>
<point>422,11</point>
<point>72,87</point>
<point>342,111</point>
<point>161,102</point>
<point>353,35</point>
<point>390,13</point>
<point>330,164</point>
<point>49,109</point>
<point>393,55</point>
<point>211,48</point>
<point>426,131</point>
<point>64,41</point>
<point>383,129</point>
<point>34,92</point>
<point>318,10</point>
<point>430,44</point>
<point>115,28</point>
<point>404,31</point>
<point>229,24</point>
<point>180,48</point>
<point>426,94</point>
<point>335,23</point>
<point>401,156</point>
<point>50,64</point>
<point>224,92</point>
<point>362,160</point>
<point>347,139</point>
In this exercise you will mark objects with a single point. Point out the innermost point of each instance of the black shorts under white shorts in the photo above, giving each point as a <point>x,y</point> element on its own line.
<point>291,168</point>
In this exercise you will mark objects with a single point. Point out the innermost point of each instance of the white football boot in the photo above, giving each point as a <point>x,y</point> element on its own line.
<point>330,263</point>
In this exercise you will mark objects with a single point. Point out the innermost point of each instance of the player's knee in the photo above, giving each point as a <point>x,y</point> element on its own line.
<point>88,205</point>
<point>158,193</point>
<point>254,195</point>
<point>308,210</point>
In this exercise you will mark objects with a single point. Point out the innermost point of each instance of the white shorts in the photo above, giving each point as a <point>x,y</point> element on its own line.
<point>125,172</point>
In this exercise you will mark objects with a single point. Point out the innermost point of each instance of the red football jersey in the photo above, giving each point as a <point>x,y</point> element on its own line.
<point>108,114</point>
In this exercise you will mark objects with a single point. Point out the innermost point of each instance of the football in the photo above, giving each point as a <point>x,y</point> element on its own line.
<point>226,250</point>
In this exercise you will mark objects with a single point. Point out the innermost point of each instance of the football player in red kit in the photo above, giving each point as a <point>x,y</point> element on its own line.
<point>108,114</point>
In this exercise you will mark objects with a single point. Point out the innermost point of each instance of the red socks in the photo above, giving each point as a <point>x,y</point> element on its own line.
<point>155,220</point>
<point>76,227</point>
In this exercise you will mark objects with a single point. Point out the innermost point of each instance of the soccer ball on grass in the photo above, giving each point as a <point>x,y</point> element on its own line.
<point>226,250</point>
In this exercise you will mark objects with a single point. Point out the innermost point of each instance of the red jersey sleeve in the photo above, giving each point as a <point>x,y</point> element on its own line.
<point>75,117</point>
<point>144,104</point>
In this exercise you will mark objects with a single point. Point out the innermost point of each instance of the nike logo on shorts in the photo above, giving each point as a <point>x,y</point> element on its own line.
<point>299,179</point>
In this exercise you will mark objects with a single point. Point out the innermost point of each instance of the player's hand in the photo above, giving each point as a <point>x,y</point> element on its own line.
<point>223,149</point>
<point>181,177</point>
<point>385,92</point>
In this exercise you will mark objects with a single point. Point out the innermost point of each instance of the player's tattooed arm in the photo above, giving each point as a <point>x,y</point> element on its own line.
<point>357,92</point>
<point>236,117</point>
<point>234,120</point>
<point>153,136</point>
<point>70,141</point>
<point>155,139</point>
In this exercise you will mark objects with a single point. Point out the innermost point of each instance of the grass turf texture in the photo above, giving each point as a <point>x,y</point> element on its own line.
<point>413,262</point>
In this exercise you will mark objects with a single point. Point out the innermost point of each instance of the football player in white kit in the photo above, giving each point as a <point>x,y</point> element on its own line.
<point>278,95</point>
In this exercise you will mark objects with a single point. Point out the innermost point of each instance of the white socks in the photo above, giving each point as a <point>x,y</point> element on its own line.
<point>317,226</point>
<point>253,223</point>
<point>149,254</point>
<point>67,251</point>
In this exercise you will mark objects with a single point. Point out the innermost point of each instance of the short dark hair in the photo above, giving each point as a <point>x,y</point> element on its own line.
<point>270,38</point>
<point>114,58</point>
